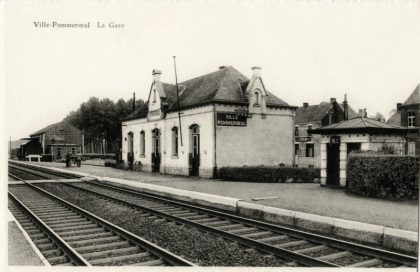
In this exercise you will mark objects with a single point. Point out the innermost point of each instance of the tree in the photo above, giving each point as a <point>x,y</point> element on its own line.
<point>101,120</point>
<point>379,117</point>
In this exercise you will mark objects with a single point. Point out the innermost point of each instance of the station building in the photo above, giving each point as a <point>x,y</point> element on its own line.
<point>308,147</point>
<point>59,139</point>
<point>355,134</point>
<point>222,119</point>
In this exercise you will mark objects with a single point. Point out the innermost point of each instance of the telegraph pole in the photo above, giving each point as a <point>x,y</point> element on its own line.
<point>177,95</point>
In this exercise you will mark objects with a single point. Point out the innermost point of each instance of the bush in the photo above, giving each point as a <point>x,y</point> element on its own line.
<point>99,156</point>
<point>270,174</point>
<point>385,176</point>
<point>46,158</point>
<point>110,163</point>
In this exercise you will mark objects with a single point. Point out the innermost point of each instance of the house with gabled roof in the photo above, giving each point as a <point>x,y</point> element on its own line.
<point>407,114</point>
<point>220,119</point>
<point>307,147</point>
<point>58,139</point>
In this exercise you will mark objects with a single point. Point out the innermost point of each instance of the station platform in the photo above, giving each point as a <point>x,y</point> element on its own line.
<point>307,197</point>
<point>21,251</point>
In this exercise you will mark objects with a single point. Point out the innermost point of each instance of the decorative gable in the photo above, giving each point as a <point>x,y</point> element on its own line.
<point>156,97</point>
<point>256,93</point>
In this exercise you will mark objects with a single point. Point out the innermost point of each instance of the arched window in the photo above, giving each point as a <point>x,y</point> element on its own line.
<point>256,98</point>
<point>142,143</point>
<point>130,142</point>
<point>154,95</point>
<point>174,141</point>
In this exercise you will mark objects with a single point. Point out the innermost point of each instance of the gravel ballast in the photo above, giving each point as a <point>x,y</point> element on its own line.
<point>201,248</point>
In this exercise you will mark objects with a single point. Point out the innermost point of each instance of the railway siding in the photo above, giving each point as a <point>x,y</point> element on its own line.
<point>393,239</point>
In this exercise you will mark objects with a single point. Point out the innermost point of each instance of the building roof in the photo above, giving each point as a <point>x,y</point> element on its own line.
<point>395,119</point>
<point>45,129</point>
<point>362,125</point>
<point>316,113</point>
<point>16,144</point>
<point>225,85</point>
<point>414,98</point>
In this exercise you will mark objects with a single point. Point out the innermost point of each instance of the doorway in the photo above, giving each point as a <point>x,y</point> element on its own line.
<point>333,164</point>
<point>130,153</point>
<point>194,159</point>
<point>156,150</point>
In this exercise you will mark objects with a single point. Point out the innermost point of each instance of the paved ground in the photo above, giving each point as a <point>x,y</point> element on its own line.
<point>310,198</point>
<point>20,251</point>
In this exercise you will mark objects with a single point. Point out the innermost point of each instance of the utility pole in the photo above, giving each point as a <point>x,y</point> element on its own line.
<point>177,95</point>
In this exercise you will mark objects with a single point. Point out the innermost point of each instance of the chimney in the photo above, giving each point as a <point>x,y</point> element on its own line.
<point>345,108</point>
<point>333,100</point>
<point>222,67</point>
<point>156,75</point>
<point>256,71</point>
<point>362,113</point>
<point>399,106</point>
<point>305,105</point>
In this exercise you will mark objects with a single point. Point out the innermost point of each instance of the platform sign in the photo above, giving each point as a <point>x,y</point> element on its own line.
<point>335,140</point>
<point>231,119</point>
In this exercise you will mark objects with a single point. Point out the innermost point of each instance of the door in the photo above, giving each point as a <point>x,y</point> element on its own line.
<point>130,153</point>
<point>333,164</point>
<point>195,151</point>
<point>156,150</point>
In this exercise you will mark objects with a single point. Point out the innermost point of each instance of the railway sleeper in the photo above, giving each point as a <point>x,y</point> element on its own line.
<point>242,230</point>
<point>272,239</point>
<point>107,253</point>
<point>75,227</point>
<point>65,225</point>
<point>294,243</point>
<point>63,220</point>
<point>70,216</point>
<point>220,222</point>
<point>202,221</point>
<point>103,246</point>
<point>195,217</point>
<point>94,240</point>
<point>83,221</point>
<point>149,263</point>
<point>367,263</point>
<point>58,259</point>
<point>227,227</point>
<point>310,249</point>
<point>108,260</point>
<point>257,234</point>
<point>89,236</point>
<point>335,256</point>
<point>72,233</point>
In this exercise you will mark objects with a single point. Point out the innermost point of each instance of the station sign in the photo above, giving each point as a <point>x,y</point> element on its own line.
<point>231,119</point>
<point>335,140</point>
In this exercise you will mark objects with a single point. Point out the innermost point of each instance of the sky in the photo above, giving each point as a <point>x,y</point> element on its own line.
<point>310,51</point>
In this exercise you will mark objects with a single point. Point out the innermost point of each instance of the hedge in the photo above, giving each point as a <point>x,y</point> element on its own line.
<point>383,176</point>
<point>270,174</point>
<point>99,156</point>
<point>110,163</point>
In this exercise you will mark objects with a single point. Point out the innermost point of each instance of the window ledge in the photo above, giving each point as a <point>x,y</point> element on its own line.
<point>142,156</point>
<point>257,105</point>
<point>175,157</point>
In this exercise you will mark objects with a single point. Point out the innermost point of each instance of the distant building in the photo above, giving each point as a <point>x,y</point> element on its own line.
<point>59,139</point>
<point>307,147</point>
<point>19,149</point>
<point>226,120</point>
<point>408,115</point>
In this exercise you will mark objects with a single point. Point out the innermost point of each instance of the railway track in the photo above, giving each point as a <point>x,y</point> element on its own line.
<point>69,235</point>
<point>301,248</point>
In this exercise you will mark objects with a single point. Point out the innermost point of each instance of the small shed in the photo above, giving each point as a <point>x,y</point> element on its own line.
<point>359,133</point>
